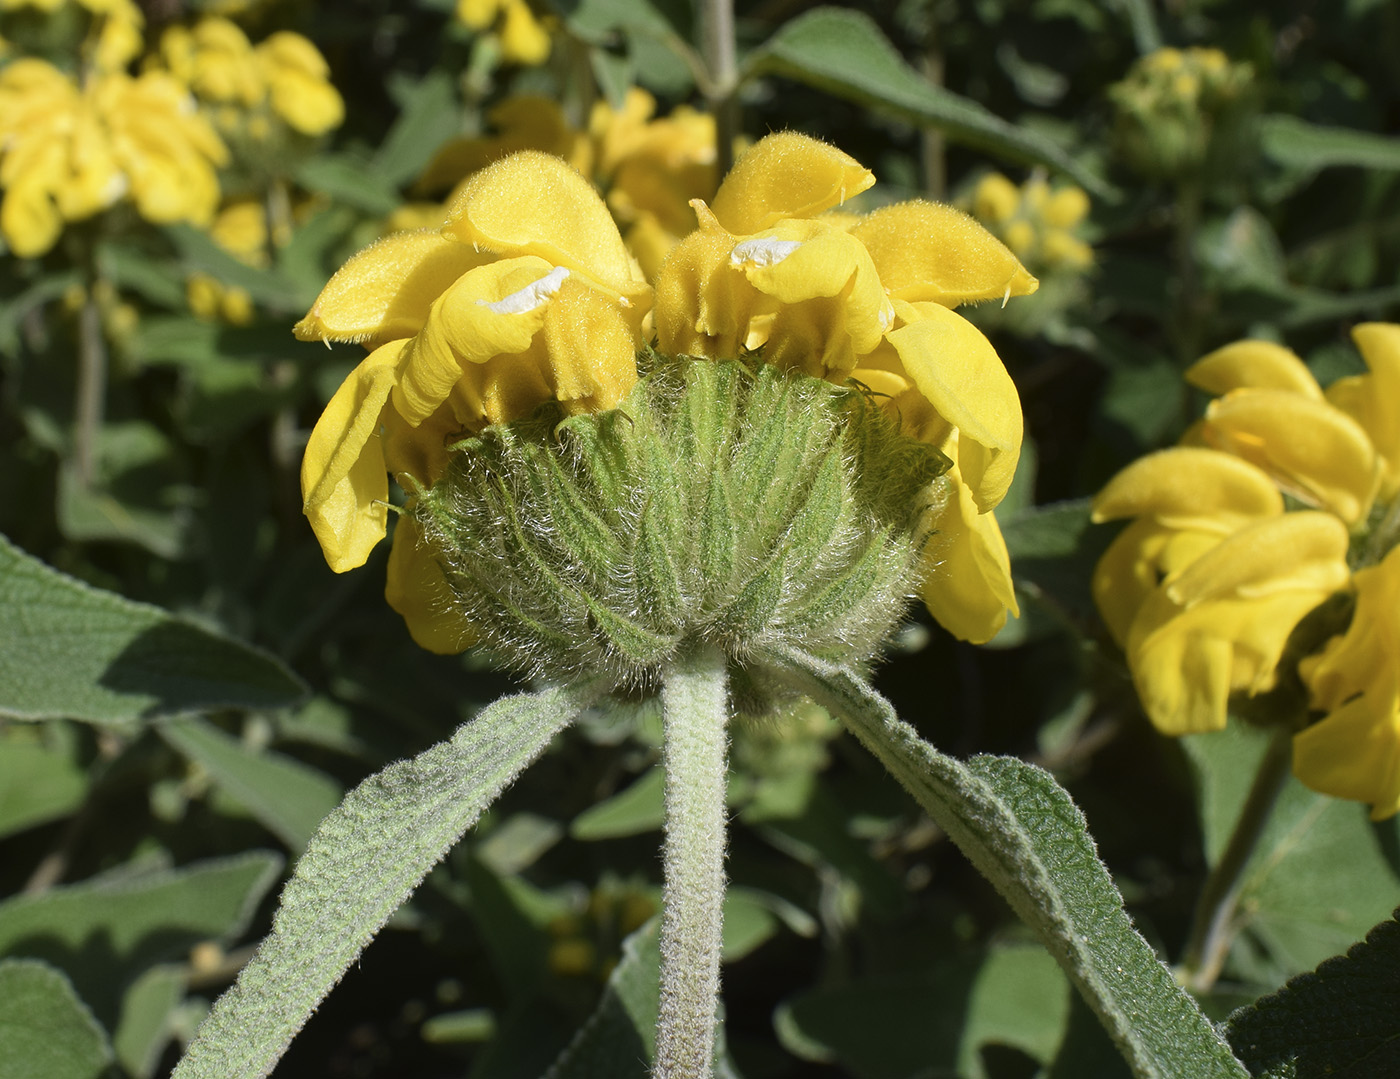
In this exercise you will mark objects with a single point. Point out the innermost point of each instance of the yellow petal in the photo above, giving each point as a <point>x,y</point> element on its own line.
<point>419,455</point>
<point>29,219</point>
<point>1256,365</point>
<point>343,476</point>
<point>591,350</point>
<point>956,369</point>
<point>1312,450</point>
<point>1355,753</point>
<point>1364,655</point>
<point>415,587</point>
<point>929,251</point>
<point>1185,663</point>
<point>535,204</point>
<point>1190,488</point>
<point>1135,563</point>
<point>1303,550</point>
<point>523,39</point>
<point>1377,407</point>
<point>491,311</point>
<point>967,577</point>
<point>386,290</point>
<point>704,304</point>
<point>783,175</point>
<point>831,308</point>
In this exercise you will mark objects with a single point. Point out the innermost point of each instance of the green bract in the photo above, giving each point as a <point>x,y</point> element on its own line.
<point>746,508</point>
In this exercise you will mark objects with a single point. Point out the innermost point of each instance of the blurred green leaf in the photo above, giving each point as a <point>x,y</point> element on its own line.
<point>1319,878</point>
<point>1338,1022</point>
<point>46,1032</point>
<point>640,807</point>
<point>348,179</point>
<point>270,289</point>
<point>1025,835</point>
<point>935,1021</point>
<point>748,923</point>
<point>367,857</point>
<point>144,1028</point>
<point>287,797</point>
<point>844,53</point>
<point>428,117</point>
<point>1054,549</point>
<point>1297,144</point>
<point>104,933</point>
<point>70,650</point>
<point>40,777</point>
<point>619,1039</point>
<point>518,842</point>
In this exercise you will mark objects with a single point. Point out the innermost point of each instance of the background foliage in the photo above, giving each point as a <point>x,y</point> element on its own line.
<point>190,689</point>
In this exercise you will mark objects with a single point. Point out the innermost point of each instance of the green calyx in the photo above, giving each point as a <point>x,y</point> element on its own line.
<point>741,507</point>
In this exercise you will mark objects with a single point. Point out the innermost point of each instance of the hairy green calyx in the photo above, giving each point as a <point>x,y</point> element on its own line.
<point>745,508</point>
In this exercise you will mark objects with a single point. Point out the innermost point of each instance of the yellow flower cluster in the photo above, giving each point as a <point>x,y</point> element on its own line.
<point>528,294</point>
<point>522,37</point>
<point>648,167</point>
<point>249,88</point>
<point>70,152</point>
<point>1036,221</point>
<point>1260,515</point>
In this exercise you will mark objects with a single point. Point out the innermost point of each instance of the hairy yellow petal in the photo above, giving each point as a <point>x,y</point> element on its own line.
<point>493,310</point>
<point>956,369</point>
<point>344,484</point>
<point>532,203</point>
<point>967,577</point>
<point>1256,365</point>
<point>415,587</point>
<point>1190,487</point>
<point>784,175</point>
<point>929,251</point>
<point>386,290</point>
<point>1355,753</point>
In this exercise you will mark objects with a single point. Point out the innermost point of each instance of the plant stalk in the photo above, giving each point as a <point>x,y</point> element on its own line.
<point>91,395</point>
<point>695,711</point>
<point>721,59</point>
<point>1212,926</point>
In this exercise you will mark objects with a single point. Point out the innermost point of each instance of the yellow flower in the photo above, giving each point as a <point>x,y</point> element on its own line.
<point>1036,221</point>
<point>866,300</point>
<point>70,153</point>
<point>523,38</point>
<point>245,86</point>
<point>1205,588</point>
<point>651,167</point>
<point>527,295</point>
<point>1355,751</point>
<point>298,84</point>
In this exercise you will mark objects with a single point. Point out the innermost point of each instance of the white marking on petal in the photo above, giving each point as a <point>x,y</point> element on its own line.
<point>886,315</point>
<point>762,252</point>
<point>531,296</point>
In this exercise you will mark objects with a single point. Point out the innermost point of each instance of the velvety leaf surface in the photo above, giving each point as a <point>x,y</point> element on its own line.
<point>70,650</point>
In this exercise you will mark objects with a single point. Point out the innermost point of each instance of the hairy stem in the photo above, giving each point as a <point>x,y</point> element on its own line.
<point>1212,927</point>
<point>695,710</point>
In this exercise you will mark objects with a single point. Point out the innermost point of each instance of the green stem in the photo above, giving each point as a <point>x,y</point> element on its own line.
<point>721,58</point>
<point>695,710</point>
<point>1212,927</point>
<point>91,396</point>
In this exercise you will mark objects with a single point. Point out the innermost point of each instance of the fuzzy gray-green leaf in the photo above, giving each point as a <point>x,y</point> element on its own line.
<point>367,857</point>
<point>1020,829</point>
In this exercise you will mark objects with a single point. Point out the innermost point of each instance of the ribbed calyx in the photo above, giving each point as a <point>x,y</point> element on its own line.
<point>741,506</point>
